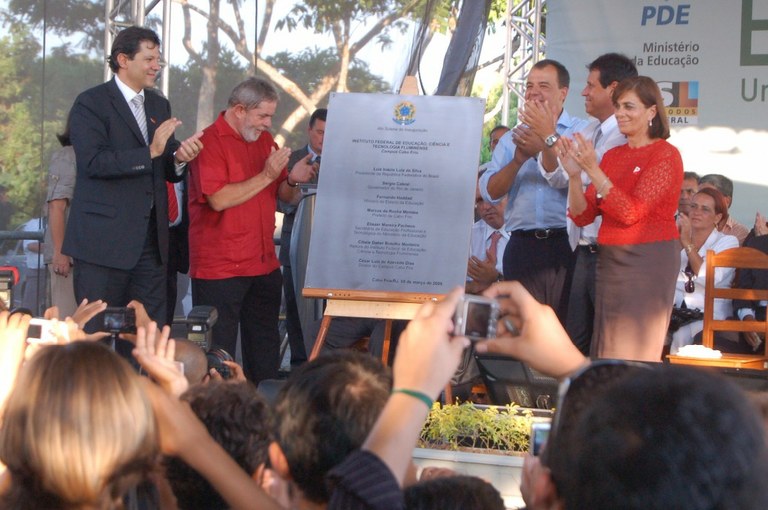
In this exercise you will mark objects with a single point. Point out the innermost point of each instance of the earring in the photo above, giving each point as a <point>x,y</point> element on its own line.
<point>650,123</point>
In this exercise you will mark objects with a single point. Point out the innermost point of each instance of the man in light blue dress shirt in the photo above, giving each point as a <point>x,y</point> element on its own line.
<point>605,73</point>
<point>538,253</point>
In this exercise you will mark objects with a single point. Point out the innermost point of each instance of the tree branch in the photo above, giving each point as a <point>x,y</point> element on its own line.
<point>379,26</point>
<point>187,38</point>
<point>265,22</point>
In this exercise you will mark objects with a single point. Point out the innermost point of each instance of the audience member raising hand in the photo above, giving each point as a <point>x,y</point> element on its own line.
<point>155,353</point>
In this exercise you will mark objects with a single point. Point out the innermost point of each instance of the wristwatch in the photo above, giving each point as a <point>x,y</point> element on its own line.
<point>551,140</point>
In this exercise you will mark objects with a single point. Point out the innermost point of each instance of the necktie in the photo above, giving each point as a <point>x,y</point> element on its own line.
<point>494,242</point>
<point>141,117</point>
<point>598,136</point>
<point>173,204</point>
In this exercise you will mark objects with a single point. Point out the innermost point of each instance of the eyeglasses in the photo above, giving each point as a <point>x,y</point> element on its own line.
<point>703,208</point>
<point>690,286</point>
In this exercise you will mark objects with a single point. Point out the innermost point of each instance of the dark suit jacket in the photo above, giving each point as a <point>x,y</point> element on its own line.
<point>290,212</point>
<point>117,181</point>
<point>752,278</point>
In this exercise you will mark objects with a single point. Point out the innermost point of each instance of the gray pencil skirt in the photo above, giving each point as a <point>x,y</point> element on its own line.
<point>633,302</point>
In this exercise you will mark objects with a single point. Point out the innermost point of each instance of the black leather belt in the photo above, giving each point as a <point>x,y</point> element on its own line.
<point>540,233</point>
<point>590,248</point>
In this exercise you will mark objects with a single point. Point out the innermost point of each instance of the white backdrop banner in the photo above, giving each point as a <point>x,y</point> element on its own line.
<point>710,59</point>
<point>396,192</point>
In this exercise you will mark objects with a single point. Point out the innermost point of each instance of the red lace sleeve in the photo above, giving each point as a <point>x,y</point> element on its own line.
<point>591,212</point>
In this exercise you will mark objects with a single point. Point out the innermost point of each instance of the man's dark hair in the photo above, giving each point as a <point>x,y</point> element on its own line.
<point>129,41</point>
<point>721,183</point>
<point>453,493</point>
<point>325,411</point>
<point>319,114</point>
<point>239,419</point>
<point>498,128</point>
<point>691,175</point>
<point>670,437</point>
<point>613,67</point>
<point>563,76</point>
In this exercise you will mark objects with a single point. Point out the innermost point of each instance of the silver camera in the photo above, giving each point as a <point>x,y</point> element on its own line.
<point>476,317</point>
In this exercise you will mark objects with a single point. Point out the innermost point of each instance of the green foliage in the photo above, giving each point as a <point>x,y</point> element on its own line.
<point>341,16</point>
<point>185,88</point>
<point>498,12</point>
<point>66,75</point>
<point>322,15</point>
<point>464,425</point>
<point>491,99</point>
<point>308,68</point>
<point>19,122</point>
<point>64,17</point>
<point>34,102</point>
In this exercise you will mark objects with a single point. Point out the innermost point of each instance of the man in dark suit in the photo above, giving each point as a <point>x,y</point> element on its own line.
<point>122,132</point>
<point>750,342</point>
<point>314,148</point>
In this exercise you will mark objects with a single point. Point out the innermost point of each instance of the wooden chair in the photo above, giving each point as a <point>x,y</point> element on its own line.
<point>739,258</point>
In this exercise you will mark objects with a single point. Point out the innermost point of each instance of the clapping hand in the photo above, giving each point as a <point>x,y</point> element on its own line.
<point>276,162</point>
<point>538,116</point>
<point>189,148</point>
<point>761,228</point>
<point>527,143</point>
<point>304,170</point>
<point>564,148</point>
<point>583,153</point>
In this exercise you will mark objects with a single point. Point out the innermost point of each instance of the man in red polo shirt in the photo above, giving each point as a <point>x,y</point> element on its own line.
<point>232,200</point>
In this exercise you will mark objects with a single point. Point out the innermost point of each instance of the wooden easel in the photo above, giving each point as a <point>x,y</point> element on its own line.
<point>388,306</point>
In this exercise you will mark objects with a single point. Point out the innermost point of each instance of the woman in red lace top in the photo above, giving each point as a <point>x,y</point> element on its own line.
<point>635,189</point>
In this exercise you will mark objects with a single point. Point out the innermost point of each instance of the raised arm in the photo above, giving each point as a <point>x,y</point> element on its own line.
<point>427,357</point>
<point>514,149</point>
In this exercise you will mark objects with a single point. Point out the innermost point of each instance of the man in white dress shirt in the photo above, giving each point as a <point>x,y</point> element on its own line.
<point>605,72</point>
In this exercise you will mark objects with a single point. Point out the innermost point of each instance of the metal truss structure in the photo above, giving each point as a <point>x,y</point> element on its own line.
<point>525,45</point>
<point>125,13</point>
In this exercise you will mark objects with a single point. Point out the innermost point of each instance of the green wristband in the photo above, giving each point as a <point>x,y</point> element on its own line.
<point>416,394</point>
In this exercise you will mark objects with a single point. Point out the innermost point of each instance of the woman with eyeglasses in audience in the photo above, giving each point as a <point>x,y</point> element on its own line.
<point>699,233</point>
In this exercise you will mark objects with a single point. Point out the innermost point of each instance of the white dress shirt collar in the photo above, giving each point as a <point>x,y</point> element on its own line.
<point>128,92</point>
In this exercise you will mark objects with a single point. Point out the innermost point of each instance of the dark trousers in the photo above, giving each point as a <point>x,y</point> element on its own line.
<point>292,320</point>
<point>253,304</point>
<point>345,331</point>
<point>580,319</point>
<point>543,266</point>
<point>144,283</point>
<point>176,264</point>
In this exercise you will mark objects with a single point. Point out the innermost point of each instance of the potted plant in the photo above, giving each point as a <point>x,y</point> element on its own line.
<point>484,441</point>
